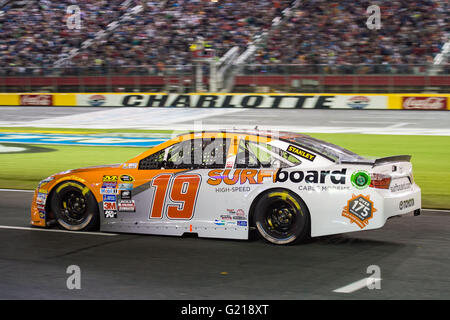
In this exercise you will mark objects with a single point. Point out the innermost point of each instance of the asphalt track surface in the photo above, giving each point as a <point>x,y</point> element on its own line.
<point>413,254</point>
<point>306,120</point>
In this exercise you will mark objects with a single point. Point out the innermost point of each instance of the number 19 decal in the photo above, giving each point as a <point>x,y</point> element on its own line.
<point>174,196</point>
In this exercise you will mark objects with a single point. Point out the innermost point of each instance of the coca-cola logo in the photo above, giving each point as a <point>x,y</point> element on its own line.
<point>425,103</point>
<point>36,100</point>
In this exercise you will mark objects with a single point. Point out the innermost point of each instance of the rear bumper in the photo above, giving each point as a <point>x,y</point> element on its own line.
<point>396,204</point>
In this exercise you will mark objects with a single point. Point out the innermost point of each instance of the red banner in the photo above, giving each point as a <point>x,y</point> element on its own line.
<point>424,103</point>
<point>36,100</point>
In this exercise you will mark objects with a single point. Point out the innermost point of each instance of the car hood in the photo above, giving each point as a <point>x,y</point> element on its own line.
<point>87,169</point>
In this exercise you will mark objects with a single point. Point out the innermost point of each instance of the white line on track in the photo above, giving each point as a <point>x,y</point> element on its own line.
<point>60,231</point>
<point>437,210</point>
<point>16,190</point>
<point>357,285</point>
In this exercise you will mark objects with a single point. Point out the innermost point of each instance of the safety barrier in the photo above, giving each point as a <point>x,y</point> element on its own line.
<point>232,100</point>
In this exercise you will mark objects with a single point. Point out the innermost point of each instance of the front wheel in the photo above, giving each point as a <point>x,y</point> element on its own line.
<point>281,217</point>
<point>75,207</point>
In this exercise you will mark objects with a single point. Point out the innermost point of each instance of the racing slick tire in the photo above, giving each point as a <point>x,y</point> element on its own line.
<point>75,207</point>
<point>281,217</point>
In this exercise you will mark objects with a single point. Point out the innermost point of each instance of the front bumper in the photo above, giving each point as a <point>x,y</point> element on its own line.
<point>38,208</point>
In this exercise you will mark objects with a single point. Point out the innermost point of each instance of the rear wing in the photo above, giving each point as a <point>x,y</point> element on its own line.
<point>380,161</point>
<point>403,158</point>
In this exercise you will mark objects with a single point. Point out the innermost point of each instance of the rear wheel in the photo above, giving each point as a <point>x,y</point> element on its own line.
<point>281,217</point>
<point>75,207</point>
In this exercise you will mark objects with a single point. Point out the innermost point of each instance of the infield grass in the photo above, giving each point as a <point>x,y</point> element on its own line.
<point>430,159</point>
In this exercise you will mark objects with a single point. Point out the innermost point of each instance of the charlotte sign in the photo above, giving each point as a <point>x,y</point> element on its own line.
<point>288,101</point>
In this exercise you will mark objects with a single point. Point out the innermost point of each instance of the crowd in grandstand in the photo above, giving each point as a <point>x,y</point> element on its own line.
<point>34,37</point>
<point>335,33</point>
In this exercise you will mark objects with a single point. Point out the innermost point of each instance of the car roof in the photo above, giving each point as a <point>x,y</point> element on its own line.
<point>281,135</point>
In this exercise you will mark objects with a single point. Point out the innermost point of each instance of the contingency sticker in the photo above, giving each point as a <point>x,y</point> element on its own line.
<point>302,153</point>
<point>359,210</point>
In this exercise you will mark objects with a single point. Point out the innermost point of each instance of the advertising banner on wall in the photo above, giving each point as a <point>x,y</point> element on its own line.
<point>424,103</point>
<point>284,101</point>
<point>36,100</point>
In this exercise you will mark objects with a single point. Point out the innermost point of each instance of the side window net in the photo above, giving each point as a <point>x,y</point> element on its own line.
<point>190,154</point>
<point>153,161</point>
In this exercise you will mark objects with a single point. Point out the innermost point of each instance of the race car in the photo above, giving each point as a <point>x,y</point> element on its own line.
<point>284,186</point>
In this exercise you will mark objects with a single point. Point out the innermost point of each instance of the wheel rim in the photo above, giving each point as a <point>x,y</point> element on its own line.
<point>280,219</point>
<point>73,207</point>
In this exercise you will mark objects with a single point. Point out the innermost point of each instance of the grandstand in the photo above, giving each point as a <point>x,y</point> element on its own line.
<point>274,41</point>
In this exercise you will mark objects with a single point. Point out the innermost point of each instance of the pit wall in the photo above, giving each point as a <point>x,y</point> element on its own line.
<point>233,100</point>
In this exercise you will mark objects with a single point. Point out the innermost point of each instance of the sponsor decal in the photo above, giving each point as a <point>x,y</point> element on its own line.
<point>36,100</point>
<point>219,222</point>
<point>109,185</point>
<point>424,103</point>
<point>405,204</point>
<point>359,210</point>
<point>229,164</point>
<point>312,176</point>
<point>242,223</point>
<point>110,178</point>
<point>127,206</point>
<point>109,206</point>
<point>97,100</point>
<point>358,102</point>
<point>109,198</point>
<point>252,176</point>
<point>126,178</point>
<point>396,187</point>
<point>110,214</point>
<point>302,153</point>
<point>225,222</point>
<point>238,214</point>
<point>41,198</point>
<point>312,188</point>
<point>108,191</point>
<point>226,217</point>
<point>233,189</point>
<point>125,186</point>
<point>130,166</point>
<point>241,176</point>
<point>360,179</point>
<point>125,194</point>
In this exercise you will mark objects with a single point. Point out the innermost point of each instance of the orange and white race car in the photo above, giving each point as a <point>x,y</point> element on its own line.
<point>221,184</point>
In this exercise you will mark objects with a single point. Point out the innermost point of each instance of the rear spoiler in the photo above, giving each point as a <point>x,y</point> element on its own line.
<point>403,158</point>
<point>380,161</point>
